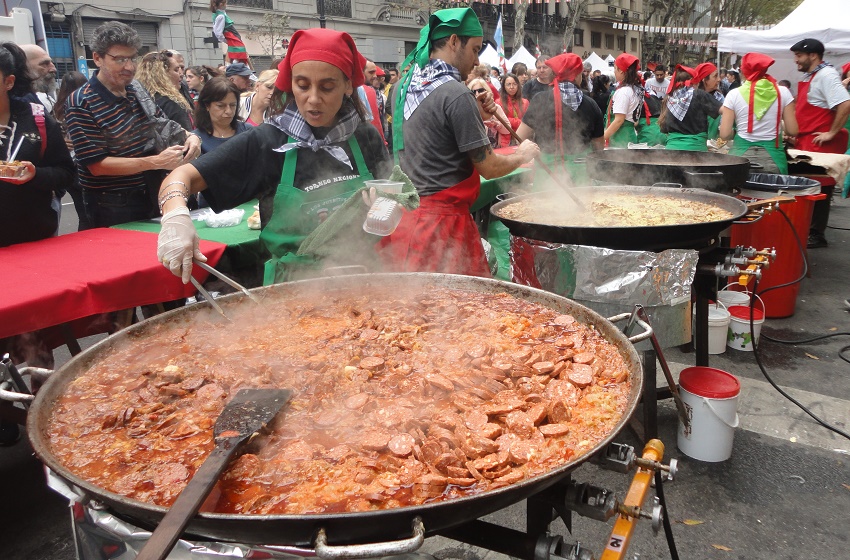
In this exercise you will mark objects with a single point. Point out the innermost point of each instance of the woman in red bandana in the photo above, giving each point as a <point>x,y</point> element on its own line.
<point>624,109</point>
<point>757,109</point>
<point>566,123</point>
<point>311,155</point>
<point>707,78</point>
<point>686,112</point>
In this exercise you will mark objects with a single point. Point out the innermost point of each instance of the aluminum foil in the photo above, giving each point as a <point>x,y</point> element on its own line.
<point>600,275</point>
<point>100,535</point>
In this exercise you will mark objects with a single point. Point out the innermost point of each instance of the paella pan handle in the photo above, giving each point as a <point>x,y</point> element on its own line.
<point>404,546</point>
<point>647,330</point>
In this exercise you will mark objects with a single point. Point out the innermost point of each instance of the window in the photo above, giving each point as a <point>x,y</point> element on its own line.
<point>578,37</point>
<point>634,45</point>
<point>596,39</point>
<point>609,41</point>
<point>621,44</point>
<point>339,8</point>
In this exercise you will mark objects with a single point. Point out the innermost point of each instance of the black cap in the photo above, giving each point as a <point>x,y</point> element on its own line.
<point>809,46</point>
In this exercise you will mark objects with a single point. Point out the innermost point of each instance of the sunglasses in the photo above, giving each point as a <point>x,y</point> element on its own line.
<point>479,91</point>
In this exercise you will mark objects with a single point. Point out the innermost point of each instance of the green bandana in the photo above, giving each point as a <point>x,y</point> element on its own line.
<point>443,23</point>
<point>764,98</point>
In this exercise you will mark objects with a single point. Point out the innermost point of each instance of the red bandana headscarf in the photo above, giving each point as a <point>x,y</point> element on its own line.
<point>625,61</point>
<point>566,67</point>
<point>325,45</point>
<point>674,84</point>
<point>702,72</point>
<point>754,68</point>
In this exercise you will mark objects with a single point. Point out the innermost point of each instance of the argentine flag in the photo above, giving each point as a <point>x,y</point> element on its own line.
<point>499,39</point>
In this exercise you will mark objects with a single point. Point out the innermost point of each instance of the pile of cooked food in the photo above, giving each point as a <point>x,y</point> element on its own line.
<point>614,210</point>
<point>398,399</point>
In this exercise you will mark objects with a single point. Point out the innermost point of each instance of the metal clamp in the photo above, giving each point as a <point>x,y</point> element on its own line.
<point>374,550</point>
<point>647,330</point>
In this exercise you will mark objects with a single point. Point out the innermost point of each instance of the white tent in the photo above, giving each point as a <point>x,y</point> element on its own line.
<point>597,62</point>
<point>522,55</point>
<point>489,56</point>
<point>610,59</point>
<point>825,20</point>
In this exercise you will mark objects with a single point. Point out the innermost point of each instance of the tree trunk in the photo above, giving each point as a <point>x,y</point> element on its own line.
<point>576,9</point>
<point>520,8</point>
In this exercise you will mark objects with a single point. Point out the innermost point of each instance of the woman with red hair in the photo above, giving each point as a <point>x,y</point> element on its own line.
<point>684,117</point>
<point>624,109</point>
<point>757,109</point>
<point>314,151</point>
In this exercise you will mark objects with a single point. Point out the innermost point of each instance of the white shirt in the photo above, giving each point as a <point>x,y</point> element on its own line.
<point>656,88</point>
<point>764,128</point>
<point>826,90</point>
<point>625,102</point>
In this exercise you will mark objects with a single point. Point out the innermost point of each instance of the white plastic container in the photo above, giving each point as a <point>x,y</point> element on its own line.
<point>385,185</point>
<point>383,217</point>
<point>718,328</point>
<point>732,297</point>
<point>739,336</point>
<point>711,400</point>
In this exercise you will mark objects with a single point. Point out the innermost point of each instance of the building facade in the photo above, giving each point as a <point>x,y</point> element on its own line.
<point>385,31</point>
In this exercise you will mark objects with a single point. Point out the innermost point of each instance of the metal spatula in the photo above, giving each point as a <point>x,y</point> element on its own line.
<point>248,412</point>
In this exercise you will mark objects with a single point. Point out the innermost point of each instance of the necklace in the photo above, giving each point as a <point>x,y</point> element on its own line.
<point>227,134</point>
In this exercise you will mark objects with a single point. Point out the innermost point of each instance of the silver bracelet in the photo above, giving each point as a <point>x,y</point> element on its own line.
<point>177,183</point>
<point>169,196</point>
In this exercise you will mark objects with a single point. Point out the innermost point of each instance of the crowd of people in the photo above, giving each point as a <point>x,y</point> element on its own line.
<point>144,135</point>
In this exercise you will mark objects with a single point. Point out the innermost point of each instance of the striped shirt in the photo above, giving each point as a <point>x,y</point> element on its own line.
<point>102,124</point>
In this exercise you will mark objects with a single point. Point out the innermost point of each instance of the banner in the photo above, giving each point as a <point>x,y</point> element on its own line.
<point>499,39</point>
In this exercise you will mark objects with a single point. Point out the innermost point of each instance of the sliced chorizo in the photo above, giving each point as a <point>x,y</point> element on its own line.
<point>401,445</point>
<point>581,375</point>
<point>554,430</point>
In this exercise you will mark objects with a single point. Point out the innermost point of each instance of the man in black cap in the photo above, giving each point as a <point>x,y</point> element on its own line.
<point>241,76</point>
<point>823,106</point>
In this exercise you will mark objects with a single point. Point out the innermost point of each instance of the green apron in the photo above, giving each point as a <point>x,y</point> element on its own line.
<point>713,127</point>
<point>651,133</point>
<point>296,213</point>
<point>689,142</point>
<point>741,146</point>
<point>626,134</point>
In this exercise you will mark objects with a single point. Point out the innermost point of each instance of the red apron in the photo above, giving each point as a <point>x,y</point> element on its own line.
<point>439,236</point>
<point>373,106</point>
<point>813,119</point>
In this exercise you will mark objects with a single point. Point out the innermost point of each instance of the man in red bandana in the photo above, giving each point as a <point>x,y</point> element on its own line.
<point>823,106</point>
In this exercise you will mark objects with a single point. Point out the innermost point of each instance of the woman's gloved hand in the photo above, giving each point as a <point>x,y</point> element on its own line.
<point>178,243</point>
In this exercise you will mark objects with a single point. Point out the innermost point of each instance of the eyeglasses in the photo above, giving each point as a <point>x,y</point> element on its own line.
<point>123,60</point>
<point>479,91</point>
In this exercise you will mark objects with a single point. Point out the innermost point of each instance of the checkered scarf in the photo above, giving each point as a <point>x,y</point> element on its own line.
<point>425,80</point>
<point>293,125</point>
<point>570,94</point>
<point>808,75</point>
<point>679,101</point>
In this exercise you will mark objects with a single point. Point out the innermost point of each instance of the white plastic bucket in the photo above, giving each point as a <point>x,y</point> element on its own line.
<point>711,400</point>
<point>718,328</point>
<point>732,297</point>
<point>739,336</point>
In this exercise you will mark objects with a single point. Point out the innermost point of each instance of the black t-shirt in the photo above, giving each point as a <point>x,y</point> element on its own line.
<point>438,136</point>
<point>702,106</point>
<point>533,87</point>
<point>579,127</point>
<point>174,111</point>
<point>247,167</point>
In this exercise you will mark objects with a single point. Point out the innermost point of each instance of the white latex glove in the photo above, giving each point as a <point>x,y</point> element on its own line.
<point>178,243</point>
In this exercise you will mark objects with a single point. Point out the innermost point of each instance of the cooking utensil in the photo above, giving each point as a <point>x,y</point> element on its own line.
<point>208,297</point>
<point>247,413</point>
<point>566,185</point>
<point>645,238</point>
<point>341,528</point>
<point>227,280</point>
<point>17,149</point>
<point>715,172</point>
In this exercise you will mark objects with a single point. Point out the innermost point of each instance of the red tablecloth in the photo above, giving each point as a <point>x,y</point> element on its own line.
<point>60,279</point>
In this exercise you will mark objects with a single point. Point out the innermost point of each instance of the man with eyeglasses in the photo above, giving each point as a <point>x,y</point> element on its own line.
<point>120,168</point>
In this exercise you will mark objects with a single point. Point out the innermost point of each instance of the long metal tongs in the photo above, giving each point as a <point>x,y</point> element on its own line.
<point>226,280</point>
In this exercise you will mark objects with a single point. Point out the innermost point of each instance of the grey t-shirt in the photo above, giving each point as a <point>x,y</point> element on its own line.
<point>437,137</point>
